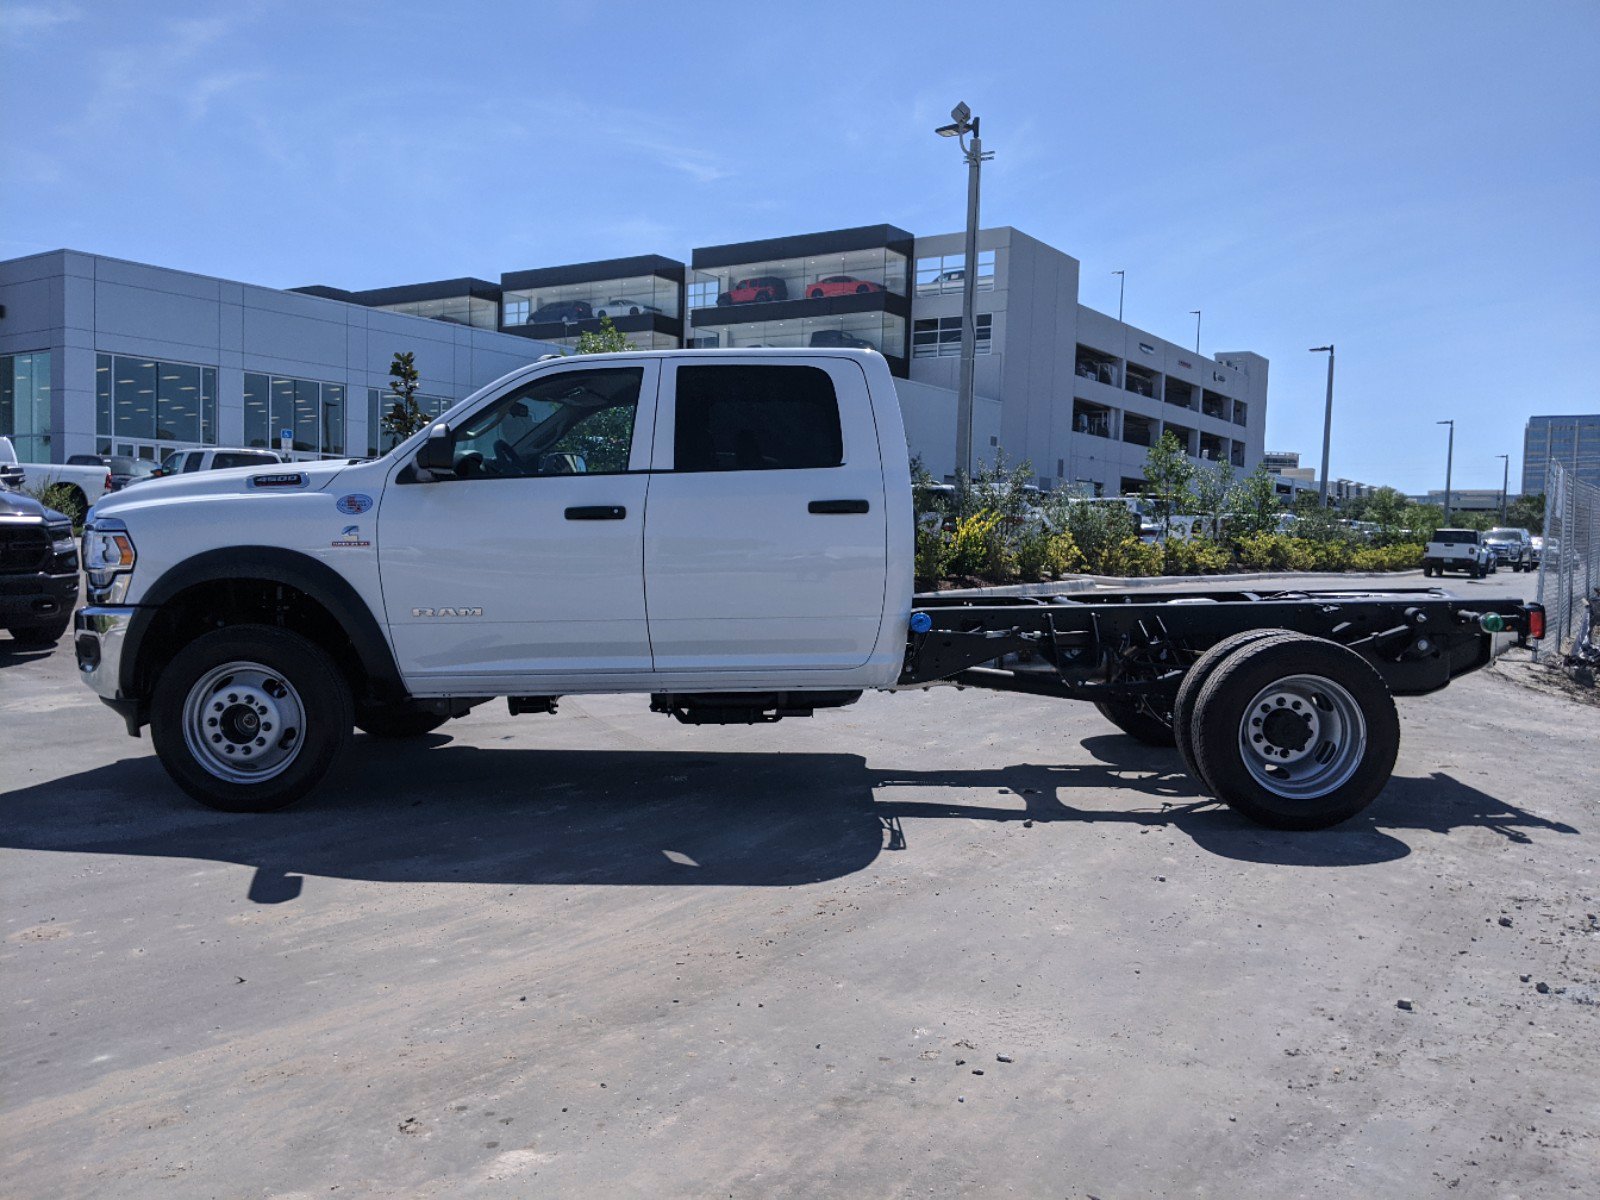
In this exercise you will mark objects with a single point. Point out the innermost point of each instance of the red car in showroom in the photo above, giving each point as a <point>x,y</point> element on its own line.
<point>758,290</point>
<point>840,285</point>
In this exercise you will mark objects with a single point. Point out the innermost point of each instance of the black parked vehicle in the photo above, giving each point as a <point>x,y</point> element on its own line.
<point>38,571</point>
<point>563,310</point>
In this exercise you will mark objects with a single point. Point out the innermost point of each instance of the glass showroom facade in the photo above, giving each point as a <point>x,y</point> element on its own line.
<point>312,412</point>
<point>381,401</point>
<point>144,406</point>
<point>25,404</point>
<point>478,311</point>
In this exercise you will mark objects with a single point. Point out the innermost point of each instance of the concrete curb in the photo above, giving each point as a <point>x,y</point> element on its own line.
<point>1090,583</point>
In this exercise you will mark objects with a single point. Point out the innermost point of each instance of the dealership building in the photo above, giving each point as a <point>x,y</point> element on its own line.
<point>102,355</point>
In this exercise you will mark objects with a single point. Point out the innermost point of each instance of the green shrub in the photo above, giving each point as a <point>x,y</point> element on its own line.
<point>1406,556</point>
<point>1195,556</point>
<point>1275,552</point>
<point>933,553</point>
<point>65,498</point>
<point>1043,554</point>
<point>1128,557</point>
<point>978,548</point>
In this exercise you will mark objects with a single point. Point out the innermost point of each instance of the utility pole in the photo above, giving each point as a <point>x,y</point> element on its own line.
<point>963,123</point>
<point>1505,483</point>
<point>1195,313</point>
<point>1449,464</point>
<point>1122,288</point>
<point>1327,427</point>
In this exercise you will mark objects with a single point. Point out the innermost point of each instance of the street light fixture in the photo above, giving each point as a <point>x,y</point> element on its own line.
<point>962,122</point>
<point>1327,426</point>
<point>1449,463</point>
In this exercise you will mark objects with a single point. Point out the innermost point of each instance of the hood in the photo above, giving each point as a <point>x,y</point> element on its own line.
<point>16,506</point>
<point>288,479</point>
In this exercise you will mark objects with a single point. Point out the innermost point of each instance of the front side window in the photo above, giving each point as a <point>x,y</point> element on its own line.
<point>568,423</point>
<point>756,418</point>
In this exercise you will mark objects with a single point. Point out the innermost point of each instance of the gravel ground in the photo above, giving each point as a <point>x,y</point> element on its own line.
<point>937,943</point>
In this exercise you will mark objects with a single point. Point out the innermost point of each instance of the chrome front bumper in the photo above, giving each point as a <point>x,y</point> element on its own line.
<point>99,637</point>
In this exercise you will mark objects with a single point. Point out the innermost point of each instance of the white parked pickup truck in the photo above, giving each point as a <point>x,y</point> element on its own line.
<point>1457,550</point>
<point>89,482</point>
<point>727,532</point>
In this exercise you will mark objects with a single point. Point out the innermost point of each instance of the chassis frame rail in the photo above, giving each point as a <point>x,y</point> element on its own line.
<point>1138,646</point>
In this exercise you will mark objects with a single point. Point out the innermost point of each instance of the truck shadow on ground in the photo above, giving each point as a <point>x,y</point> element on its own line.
<point>438,811</point>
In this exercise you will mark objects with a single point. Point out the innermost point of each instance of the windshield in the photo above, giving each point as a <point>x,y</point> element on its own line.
<point>1504,535</point>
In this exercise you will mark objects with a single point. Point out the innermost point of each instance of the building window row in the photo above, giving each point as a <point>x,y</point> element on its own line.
<point>309,413</point>
<point>149,400</point>
<point>25,404</point>
<point>942,273</point>
<point>569,303</point>
<point>940,337</point>
<point>820,277</point>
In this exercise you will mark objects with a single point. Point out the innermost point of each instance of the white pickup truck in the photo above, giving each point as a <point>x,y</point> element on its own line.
<point>1457,550</point>
<point>728,532</point>
<point>88,483</point>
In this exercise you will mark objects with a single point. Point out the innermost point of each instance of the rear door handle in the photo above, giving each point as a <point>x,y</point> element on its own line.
<point>839,506</point>
<point>597,512</point>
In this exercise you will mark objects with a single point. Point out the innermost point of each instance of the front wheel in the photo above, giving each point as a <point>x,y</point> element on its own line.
<point>250,718</point>
<point>1296,733</point>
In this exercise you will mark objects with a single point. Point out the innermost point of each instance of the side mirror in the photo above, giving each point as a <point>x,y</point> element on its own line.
<point>437,454</point>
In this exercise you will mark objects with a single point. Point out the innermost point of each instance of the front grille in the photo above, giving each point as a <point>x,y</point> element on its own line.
<point>23,550</point>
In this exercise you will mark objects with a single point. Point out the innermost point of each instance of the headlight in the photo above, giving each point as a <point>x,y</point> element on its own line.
<point>107,551</point>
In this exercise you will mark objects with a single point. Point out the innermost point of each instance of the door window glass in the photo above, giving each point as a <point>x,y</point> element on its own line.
<point>193,461</point>
<point>756,418</point>
<point>568,423</point>
<point>225,459</point>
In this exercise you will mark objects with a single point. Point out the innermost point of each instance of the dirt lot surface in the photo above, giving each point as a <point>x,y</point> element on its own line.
<point>945,943</point>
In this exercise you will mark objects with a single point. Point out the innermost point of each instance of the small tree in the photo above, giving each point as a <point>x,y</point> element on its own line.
<point>404,416</point>
<point>608,340</point>
<point>1254,504</point>
<point>1213,489</point>
<point>1386,508</point>
<point>1526,512</point>
<point>1168,476</point>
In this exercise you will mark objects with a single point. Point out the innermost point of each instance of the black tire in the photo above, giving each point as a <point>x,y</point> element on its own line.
<point>38,637</point>
<point>397,721</point>
<point>1183,705</point>
<point>1342,763</point>
<point>1127,716</point>
<point>1427,572</point>
<point>300,670</point>
<point>817,293</point>
<point>863,289</point>
<point>763,297</point>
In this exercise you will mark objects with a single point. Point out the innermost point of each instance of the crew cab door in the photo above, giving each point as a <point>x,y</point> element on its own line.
<point>530,560</point>
<point>765,538</point>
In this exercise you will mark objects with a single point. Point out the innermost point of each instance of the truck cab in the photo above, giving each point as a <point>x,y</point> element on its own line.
<point>729,531</point>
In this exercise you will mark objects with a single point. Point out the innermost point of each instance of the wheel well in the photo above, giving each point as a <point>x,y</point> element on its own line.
<point>217,603</point>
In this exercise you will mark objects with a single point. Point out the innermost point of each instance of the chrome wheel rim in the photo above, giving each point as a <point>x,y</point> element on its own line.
<point>1302,737</point>
<point>243,722</point>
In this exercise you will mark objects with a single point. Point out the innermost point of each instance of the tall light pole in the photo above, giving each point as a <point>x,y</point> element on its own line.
<point>1195,313</point>
<point>1122,288</point>
<point>1505,482</point>
<point>1449,464</point>
<point>962,122</point>
<point>1327,427</point>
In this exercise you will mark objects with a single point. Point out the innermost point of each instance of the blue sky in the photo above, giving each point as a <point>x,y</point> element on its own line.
<point>1418,183</point>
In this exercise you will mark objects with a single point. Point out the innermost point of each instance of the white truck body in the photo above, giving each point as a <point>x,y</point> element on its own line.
<point>91,481</point>
<point>711,581</point>
<point>1457,550</point>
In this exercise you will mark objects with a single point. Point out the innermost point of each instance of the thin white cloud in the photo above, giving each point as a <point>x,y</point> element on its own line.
<point>21,21</point>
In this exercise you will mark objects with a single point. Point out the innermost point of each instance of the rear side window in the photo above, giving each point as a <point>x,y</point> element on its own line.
<point>192,463</point>
<point>1465,536</point>
<point>224,460</point>
<point>756,418</point>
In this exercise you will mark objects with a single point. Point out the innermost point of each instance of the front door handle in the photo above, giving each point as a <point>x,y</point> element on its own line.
<point>838,506</point>
<point>597,512</point>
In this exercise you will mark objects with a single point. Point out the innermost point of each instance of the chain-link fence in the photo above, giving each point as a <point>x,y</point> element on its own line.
<point>1569,567</point>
